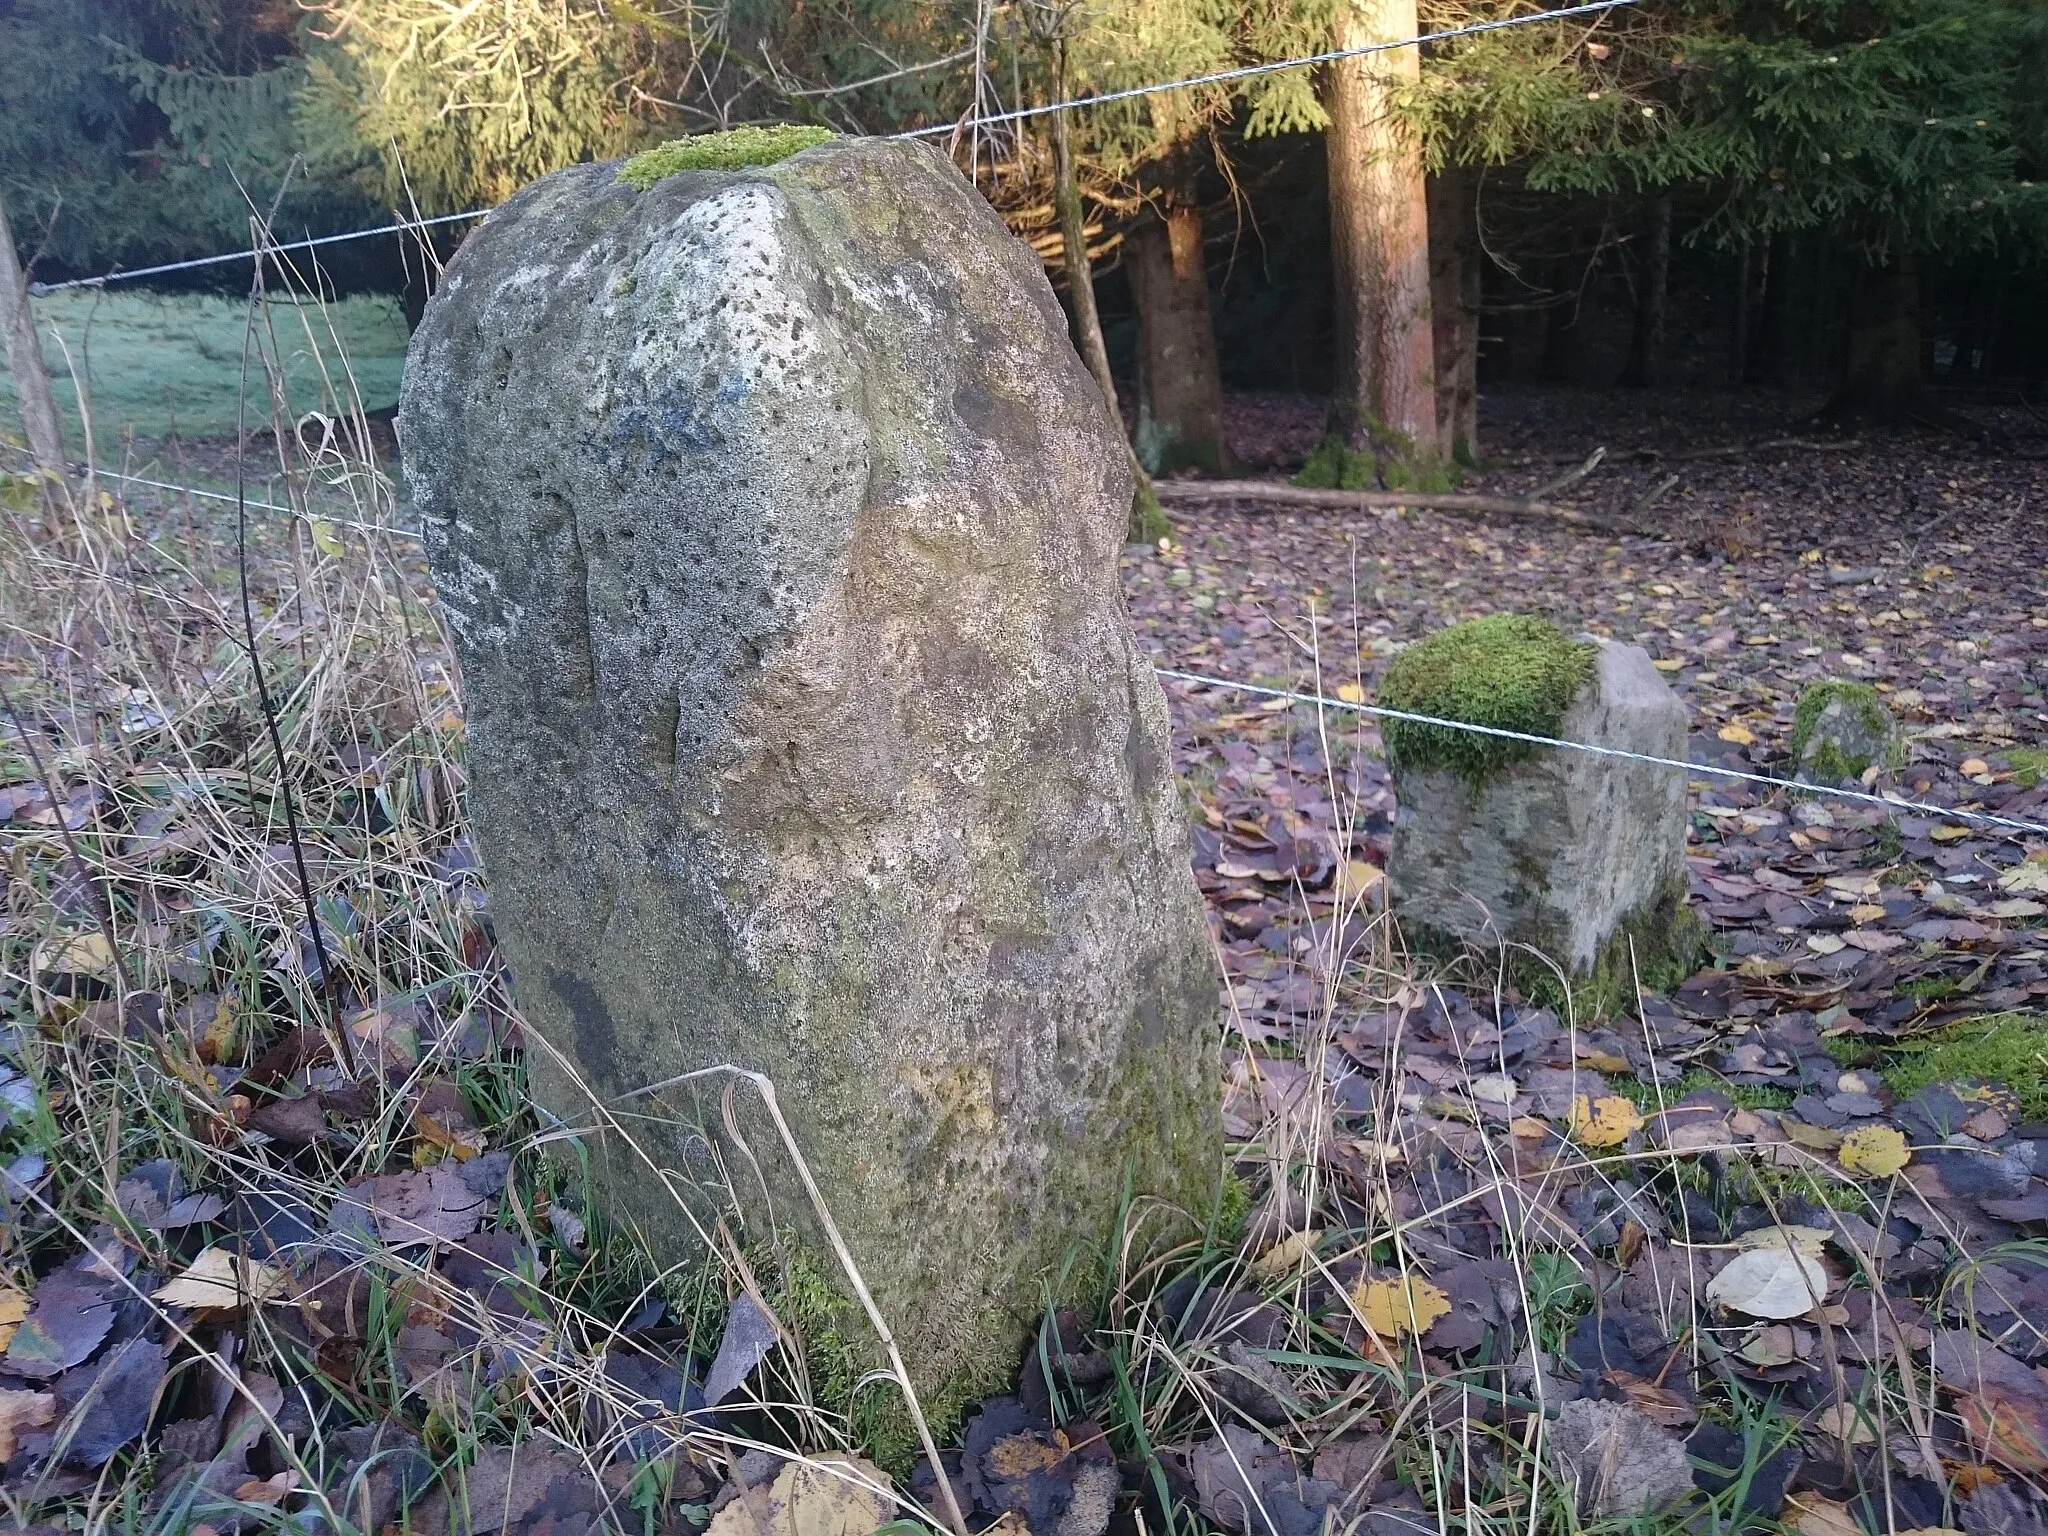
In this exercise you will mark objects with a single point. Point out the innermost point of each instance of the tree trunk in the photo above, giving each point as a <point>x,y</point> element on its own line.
<point>1180,389</point>
<point>1646,342</point>
<point>1384,402</point>
<point>25,360</point>
<point>1768,360</point>
<point>1066,198</point>
<point>1148,519</point>
<point>1454,275</point>
<point>1881,379</point>
<point>1738,329</point>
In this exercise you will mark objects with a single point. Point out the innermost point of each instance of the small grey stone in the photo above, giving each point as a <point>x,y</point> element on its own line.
<point>1843,726</point>
<point>1617,1462</point>
<point>1560,850</point>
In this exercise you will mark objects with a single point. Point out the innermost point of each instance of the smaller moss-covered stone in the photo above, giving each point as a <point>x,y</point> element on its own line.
<point>731,151</point>
<point>1839,729</point>
<point>1512,671</point>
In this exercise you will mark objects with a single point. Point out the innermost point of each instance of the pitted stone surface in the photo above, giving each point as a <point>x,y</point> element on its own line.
<point>1560,850</point>
<point>777,525</point>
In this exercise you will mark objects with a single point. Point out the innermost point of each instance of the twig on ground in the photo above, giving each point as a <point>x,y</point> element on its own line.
<point>1654,494</point>
<point>1569,477</point>
<point>1280,493</point>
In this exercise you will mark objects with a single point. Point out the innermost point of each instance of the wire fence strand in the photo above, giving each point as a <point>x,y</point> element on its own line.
<point>995,119</point>
<point>1382,712</point>
<point>1891,804</point>
<point>38,290</point>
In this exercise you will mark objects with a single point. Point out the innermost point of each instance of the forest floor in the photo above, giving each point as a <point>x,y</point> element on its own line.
<point>1765,1247</point>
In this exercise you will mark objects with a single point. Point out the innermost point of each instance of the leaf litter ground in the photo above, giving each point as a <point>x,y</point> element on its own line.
<point>1766,1248</point>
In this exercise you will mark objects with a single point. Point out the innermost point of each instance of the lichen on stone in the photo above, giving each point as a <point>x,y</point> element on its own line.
<point>733,150</point>
<point>1827,759</point>
<point>1512,671</point>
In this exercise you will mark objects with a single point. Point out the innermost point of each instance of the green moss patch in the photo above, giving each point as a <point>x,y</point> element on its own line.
<point>734,150</point>
<point>1829,762</point>
<point>2029,765</point>
<point>2009,1049</point>
<point>1335,466</point>
<point>1512,671</point>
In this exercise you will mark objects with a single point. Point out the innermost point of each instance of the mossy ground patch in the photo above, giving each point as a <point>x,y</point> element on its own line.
<point>2009,1049</point>
<point>733,150</point>
<point>1512,671</point>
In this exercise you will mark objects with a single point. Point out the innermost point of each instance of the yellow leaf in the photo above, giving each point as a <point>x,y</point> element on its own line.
<point>1356,877</point>
<point>324,537</point>
<point>1402,1305</point>
<point>216,1039</point>
<point>83,954</point>
<point>1285,1256</point>
<point>2030,876</point>
<point>1811,1515</point>
<point>23,1410</point>
<point>1605,1122</point>
<point>1669,664</point>
<point>1738,733</point>
<point>1875,1151</point>
<point>217,1278</point>
<point>13,1308</point>
<point>1351,693</point>
<point>1949,834</point>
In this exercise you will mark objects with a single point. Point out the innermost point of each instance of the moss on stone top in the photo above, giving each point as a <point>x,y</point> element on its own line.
<point>1513,671</point>
<point>731,151</point>
<point>1830,761</point>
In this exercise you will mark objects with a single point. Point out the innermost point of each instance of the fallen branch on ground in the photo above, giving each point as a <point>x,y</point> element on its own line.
<point>1280,493</point>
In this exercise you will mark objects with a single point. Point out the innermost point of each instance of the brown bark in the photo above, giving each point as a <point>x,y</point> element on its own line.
<point>1385,396</point>
<point>1148,520</point>
<point>1646,341</point>
<point>1454,274</point>
<point>1881,379</point>
<point>1739,325</point>
<point>25,360</point>
<point>1180,388</point>
<point>1066,198</point>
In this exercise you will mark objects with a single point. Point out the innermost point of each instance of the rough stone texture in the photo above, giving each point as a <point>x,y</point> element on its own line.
<point>1617,1462</point>
<point>1846,738</point>
<point>777,523</point>
<point>1561,850</point>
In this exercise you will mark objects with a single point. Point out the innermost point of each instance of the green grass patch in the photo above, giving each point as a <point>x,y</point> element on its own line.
<point>150,360</point>
<point>734,150</point>
<point>2029,765</point>
<point>1646,1097</point>
<point>1336,466</point>
<point>2009,1049</point>
<point>1513,671</point>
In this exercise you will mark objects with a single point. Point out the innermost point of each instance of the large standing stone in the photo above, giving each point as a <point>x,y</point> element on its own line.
<point>1568,852</point>
<point>777,524</point>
